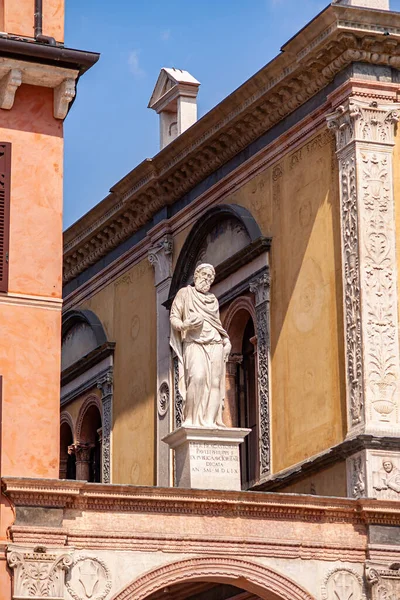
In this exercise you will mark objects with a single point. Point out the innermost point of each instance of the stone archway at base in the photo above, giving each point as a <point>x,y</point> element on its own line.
<point>251,577</point>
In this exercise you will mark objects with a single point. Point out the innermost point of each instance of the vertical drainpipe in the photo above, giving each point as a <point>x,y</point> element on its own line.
<point>39,37</point>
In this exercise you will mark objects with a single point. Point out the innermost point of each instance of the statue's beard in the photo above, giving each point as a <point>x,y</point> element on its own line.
<point>202,286</point>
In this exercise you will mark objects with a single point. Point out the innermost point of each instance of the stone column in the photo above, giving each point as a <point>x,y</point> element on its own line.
<point>82,453</point>
<point>230,414</point>
<point>160,256</point>
<point>260,287</point>
<point>365,140</point>
<point>105,385</point>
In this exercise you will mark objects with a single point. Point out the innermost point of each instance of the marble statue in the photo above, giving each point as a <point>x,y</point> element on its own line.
<point>202,346</point>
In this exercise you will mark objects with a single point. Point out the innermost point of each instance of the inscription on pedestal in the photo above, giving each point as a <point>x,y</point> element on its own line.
<point>217,460</point>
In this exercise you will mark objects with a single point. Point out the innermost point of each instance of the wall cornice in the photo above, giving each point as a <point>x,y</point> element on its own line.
<point>339,36</point>
<point>126,498</point>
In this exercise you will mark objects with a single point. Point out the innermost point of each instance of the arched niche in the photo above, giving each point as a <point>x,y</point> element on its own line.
<point>67,461</point>
<point>248,576</point>
<point>227,236</point>
<point>82,333</point>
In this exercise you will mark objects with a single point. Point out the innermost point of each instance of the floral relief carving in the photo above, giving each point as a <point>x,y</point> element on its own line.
<point>160,257</point>
<point>178,404</point>
<point>261,289</point>
<point>378,276</point>
<point>365,137</point>
<point>37,573</point>
<point>352,290</point>
<point>105,385</point>
<point>89,579</point>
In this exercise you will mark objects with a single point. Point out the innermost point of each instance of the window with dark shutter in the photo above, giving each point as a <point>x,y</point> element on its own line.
<point>5,182</point>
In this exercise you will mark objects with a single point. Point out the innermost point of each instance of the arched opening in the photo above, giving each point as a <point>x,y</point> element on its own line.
<point>219,572</point>
<point>241,402</point>
<point>247,402</point>
<point>88,449</point>
<point>67,460</point>
<point>203,591</point>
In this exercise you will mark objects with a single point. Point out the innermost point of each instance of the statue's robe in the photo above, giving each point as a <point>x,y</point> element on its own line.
<point>203,344</point>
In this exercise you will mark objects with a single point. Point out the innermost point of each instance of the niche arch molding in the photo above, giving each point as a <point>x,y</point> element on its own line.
<point>186,262</point>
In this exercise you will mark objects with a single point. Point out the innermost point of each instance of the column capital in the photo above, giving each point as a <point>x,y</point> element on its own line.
<point>105,385</point>
<point>160,256</point>
<point>38,572</point>
<point>81,451</point>
<point>260,287</point>
<point>362,121</point>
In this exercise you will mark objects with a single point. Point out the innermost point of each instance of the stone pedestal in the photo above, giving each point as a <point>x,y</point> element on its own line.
<point>207,459</point>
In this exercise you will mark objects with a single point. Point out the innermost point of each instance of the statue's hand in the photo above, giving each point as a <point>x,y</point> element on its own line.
<point>192,323</point>
<point>227,351</point>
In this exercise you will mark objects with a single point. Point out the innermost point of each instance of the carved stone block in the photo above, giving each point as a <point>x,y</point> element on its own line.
<point>89,578</point>
<point>374,474</point>
<point>342,584</point>
<point>38,573</point>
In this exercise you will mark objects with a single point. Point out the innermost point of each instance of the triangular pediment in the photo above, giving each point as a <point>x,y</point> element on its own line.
<point>168,79</point>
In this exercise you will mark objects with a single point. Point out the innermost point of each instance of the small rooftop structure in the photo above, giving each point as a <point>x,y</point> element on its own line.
<point>377,4</point>
<point>174,98</point>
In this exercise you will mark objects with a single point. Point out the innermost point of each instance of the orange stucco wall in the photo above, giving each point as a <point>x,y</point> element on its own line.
<point>18,17</point>
<point>30,327</point>
<point>36,196</point>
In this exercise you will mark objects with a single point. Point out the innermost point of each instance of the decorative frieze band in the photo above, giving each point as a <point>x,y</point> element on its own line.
<point>260,287</point>
<point>365,139</point>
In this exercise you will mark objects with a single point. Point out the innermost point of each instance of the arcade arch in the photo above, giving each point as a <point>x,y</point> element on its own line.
<point>261,581</point>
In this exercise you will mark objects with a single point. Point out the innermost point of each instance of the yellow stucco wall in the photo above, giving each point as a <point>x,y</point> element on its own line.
<point>127,310</point>
<point>296,202</point>
<point>329,482</point>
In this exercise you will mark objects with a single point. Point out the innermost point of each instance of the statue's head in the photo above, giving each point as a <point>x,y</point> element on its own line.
<point>387,465</point>
<point>204,276</point>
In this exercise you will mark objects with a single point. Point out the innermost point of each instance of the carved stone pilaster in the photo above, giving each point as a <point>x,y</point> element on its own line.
<point>383,580</point>
<point>160,256</point>
<point>37,572</point>
<point>260,287</point>
<point>365,139</point>
<point>105,385</point>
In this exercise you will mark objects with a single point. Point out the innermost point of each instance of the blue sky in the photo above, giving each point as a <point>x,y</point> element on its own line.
<point>109,129</point>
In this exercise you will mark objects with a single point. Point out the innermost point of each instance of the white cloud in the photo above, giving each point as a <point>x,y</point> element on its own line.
<point>134,64</point>
<point>165,35</point>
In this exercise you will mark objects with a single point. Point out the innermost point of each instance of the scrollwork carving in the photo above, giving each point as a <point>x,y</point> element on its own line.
<point>260,287</point>
<point>163,399</point>
<point>105,385</point>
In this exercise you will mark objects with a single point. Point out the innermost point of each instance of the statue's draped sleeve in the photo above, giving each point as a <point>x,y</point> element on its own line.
<point>177,317</point>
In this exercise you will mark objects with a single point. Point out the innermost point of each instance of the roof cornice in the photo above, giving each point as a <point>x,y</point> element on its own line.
<point>337,37</point>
